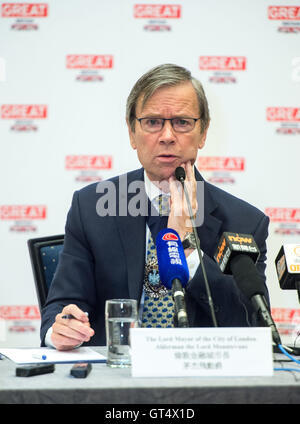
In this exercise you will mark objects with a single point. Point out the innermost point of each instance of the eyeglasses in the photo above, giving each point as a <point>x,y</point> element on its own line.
<point>181,125</point>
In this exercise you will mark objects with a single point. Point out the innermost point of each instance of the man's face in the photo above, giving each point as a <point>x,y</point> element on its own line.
<point>162,152</point>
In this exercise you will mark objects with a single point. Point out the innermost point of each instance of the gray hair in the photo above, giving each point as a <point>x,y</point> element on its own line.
<point>166,75</point>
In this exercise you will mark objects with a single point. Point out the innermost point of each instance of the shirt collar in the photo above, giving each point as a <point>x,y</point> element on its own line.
<point>152,190</point>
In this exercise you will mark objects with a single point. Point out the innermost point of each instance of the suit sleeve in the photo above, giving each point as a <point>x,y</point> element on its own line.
<point>74,278</point>
<point>232,308</point>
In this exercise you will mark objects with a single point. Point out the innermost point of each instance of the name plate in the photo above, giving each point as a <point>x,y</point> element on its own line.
<point>190,352</point>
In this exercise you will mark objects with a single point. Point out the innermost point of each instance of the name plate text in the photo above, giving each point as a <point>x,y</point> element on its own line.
<point>184,352</point>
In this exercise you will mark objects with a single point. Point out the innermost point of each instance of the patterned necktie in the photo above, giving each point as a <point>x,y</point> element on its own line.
<point>158,302</point>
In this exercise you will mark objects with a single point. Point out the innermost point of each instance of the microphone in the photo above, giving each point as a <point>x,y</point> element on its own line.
<point>180,176</point>
<point>287,265</point>
<point>233,244</point>
<point>173,270</point>
<point>237,254</point>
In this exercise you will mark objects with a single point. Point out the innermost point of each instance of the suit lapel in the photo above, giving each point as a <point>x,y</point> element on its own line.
<point>132,232</point>
<point>209,231</point>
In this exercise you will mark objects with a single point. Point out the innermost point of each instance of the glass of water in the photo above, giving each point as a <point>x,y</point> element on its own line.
<point>120,316</point>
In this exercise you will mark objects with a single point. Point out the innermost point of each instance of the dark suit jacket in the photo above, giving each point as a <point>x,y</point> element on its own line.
<point>103,258</point>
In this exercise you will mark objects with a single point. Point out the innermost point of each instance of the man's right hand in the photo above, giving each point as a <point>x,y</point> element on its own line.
<point>69,333</point>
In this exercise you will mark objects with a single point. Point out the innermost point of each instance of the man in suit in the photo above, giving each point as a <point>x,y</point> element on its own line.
<point>106,253</point>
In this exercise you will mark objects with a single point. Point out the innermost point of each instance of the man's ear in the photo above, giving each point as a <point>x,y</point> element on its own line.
<point>131,135</point>
<point>203,138</point>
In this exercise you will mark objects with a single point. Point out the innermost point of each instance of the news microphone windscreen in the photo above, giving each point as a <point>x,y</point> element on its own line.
<point>171,258</point>
<point>246,276</point>
<point>232,244</point>
<point>287,265</point>
<point>180,173</point>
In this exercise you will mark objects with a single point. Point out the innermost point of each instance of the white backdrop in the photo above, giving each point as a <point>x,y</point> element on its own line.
<point>66,69</point>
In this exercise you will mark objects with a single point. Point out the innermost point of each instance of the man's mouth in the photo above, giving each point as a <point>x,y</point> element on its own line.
<point>166,157</point>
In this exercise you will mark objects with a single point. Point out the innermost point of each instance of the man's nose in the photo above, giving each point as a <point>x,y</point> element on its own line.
<point>167,134</point>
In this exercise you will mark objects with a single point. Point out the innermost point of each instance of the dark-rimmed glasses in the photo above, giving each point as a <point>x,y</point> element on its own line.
<point>181,125</point>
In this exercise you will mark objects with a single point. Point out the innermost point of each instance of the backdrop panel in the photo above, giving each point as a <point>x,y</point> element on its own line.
<point>66,69</point>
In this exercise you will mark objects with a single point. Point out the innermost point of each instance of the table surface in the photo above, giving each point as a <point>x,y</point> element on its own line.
<point>106,385</point>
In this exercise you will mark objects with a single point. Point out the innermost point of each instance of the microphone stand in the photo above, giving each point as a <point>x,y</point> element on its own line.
<point>180,308</point>
<point>181,177</point>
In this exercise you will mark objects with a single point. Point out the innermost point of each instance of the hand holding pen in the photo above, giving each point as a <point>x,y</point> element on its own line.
<point>71,328</point>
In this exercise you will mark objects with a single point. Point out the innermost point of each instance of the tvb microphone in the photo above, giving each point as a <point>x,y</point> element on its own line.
<point>287,265</point>
<point>237,254</point>
<point>173,270</point>
<point>180,176</point>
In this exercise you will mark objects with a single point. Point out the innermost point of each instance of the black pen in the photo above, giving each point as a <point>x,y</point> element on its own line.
<point>70,316</point>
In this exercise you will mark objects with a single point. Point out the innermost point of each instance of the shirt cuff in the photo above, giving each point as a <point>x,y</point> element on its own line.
<point>193,262</point>
<point>48,341</point>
